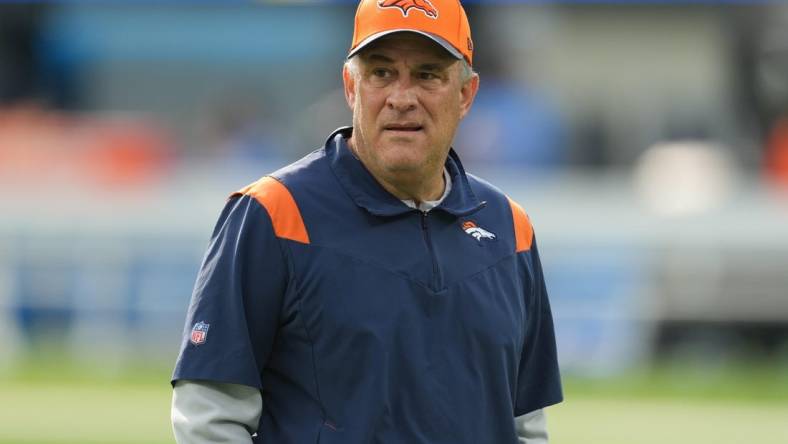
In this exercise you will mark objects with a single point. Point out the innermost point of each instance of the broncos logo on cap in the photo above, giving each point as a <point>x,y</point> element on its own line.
<point>406,5</point>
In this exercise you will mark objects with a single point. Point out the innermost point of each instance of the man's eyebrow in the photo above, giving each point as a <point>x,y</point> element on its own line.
<point>376,57</point>
<point>434,66</point>
<point>431,66</point>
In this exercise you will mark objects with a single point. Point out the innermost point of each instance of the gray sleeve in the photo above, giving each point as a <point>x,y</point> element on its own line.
<point>531,428</point>
<point>212,412</point>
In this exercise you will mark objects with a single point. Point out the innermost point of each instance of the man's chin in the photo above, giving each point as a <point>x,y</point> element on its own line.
<point>401,164</point>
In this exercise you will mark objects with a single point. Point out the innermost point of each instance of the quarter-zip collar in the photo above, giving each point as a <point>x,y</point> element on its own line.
<point>367,193</point>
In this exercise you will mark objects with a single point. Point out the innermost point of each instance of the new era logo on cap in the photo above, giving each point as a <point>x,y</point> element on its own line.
<point>406,5</point>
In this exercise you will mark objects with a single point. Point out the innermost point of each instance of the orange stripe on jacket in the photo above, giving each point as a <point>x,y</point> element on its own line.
<point>281,207</point>
<point>523,231</point>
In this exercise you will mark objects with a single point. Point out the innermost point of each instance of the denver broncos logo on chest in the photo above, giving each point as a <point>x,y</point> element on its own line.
<point>476,231</point>
<point>406,5</point>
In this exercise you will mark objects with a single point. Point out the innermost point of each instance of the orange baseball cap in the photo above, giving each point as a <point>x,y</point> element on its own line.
<point>443,21</point>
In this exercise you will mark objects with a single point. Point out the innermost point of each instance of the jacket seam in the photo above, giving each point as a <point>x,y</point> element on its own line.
<point>409,278</point>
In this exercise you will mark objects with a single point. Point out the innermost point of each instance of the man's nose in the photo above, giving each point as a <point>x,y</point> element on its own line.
<point>403,96</point>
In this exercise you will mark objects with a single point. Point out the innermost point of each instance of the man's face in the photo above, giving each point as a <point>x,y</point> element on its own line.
<point>407,98</point>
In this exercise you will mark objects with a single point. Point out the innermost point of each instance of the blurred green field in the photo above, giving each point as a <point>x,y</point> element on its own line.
<point>62,404</point>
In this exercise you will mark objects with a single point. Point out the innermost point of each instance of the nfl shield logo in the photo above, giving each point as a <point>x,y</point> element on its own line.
<point>199,333</point>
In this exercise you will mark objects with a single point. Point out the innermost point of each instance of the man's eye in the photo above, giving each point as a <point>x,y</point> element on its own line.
<point>427,75</point>
<point>380,72</point>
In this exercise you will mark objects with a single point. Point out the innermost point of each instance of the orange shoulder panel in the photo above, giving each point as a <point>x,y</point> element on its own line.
<point>523,231</point>
<point>281,207</point>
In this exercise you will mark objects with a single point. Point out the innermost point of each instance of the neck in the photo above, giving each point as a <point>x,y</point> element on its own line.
<point>419,186</point>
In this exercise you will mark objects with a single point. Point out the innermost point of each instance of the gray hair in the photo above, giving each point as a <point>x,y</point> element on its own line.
<point>466,71</point>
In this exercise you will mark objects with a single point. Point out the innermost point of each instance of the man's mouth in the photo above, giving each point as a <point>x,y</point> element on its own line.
<point>405,127</point>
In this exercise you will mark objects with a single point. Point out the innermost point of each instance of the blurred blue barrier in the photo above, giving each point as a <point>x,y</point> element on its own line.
<point>100,275</point>
<point>124,293</point>
<point>599,299</point>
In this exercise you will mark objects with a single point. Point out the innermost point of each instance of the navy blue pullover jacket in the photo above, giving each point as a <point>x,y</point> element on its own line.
<point>364,321</point>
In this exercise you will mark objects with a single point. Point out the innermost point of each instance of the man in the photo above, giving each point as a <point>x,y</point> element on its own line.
<point>372,292</point>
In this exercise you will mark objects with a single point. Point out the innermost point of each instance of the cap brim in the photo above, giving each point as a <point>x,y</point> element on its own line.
<point>439,40</point>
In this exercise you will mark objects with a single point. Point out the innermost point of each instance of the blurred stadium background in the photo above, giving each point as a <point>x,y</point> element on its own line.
<point>648,140</point>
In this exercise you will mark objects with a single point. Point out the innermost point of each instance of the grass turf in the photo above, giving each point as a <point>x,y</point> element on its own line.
<point>69,404</point>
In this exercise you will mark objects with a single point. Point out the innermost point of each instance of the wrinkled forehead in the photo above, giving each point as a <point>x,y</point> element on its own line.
<point>407,45</point>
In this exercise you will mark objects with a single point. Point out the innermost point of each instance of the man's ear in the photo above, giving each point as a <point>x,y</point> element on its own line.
<point>468,93</point>
<point>349,82</point>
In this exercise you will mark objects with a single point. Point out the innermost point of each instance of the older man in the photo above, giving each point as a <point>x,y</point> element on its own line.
<point>373,292</point>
